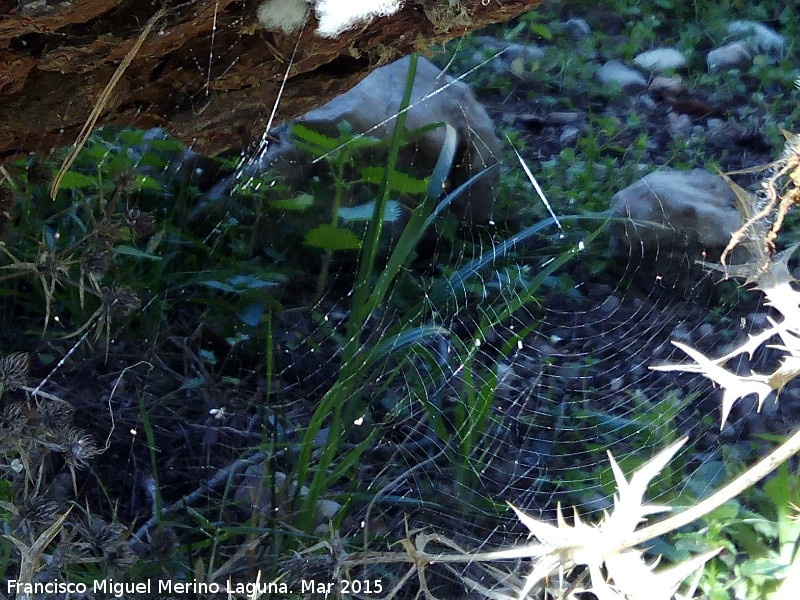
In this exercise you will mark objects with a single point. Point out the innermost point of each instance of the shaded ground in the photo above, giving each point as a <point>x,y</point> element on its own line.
<point>577,384</point>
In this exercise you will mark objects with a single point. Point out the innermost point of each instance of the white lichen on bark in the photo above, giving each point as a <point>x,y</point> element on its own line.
<point>334,16</point>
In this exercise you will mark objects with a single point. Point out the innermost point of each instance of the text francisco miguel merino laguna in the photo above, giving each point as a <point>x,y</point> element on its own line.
<point>165,586</point>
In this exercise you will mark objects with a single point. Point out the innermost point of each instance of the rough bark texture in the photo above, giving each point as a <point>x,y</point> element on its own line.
<point>208,72</point>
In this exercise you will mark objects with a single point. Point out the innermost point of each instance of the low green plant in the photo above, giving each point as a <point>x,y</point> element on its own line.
<point>760,533</point>
<point>344,403</point>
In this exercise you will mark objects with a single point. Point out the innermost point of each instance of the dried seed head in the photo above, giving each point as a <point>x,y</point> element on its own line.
<point>97,261</point>
<point>121,301</point>
<point>106,536</point>
<point>120,558</point>
<point>163,541</point>
<point>15,424</point>
<point>107,539</point>
<point>109,233</point>
<point>55,414</point>
<point>36,514</point>
<point>14,371</point>
<point>126,181</point>
<point>79,448</point>
<point>141,223</point>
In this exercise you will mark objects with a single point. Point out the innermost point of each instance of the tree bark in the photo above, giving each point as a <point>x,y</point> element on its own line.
<point>207,70</point>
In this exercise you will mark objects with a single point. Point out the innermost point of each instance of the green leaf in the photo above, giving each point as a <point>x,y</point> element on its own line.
<point>303,134</point>
<point>77,181</point>
<point>299,202</point>
<point>151,160</point>
<point>777,489</point>
<point>154,241</point>
<point>364,212</point>
<point>399,182</point>
<point>518,67</point>
<point>248,282</point>
<point>329,237</point>
<point>252,314</point>
<point>165,145</point>
<point>148,183</point>
<point>542,30</point>
<point>192,383</point>
<point>222,286</point>
<point>208,356</point>
<point>238,284</point>
<point>135,252</point>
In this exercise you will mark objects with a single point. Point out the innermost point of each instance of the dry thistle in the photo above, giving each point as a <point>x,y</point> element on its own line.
<point>79,448</point>
<point>33,515</point>
<point>616,570</point>
<point>780,191</point>
<point>14,371</point>
<point>120,301</point>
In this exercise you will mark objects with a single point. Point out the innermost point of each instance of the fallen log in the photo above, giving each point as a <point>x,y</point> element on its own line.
<point>209,71</point>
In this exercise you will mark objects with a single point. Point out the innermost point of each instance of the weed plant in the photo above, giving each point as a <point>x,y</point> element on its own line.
<point>118,259</point>
<point>118,256</point>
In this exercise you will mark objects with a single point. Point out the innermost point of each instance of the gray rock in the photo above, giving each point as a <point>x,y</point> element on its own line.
<point>569,135</point>
<point>577,28</point>
<point>609,305</point>
<point>370,107</point>
<point>667,86</point>
<point>614,72</point>
<point>705,330</point>
<point>760,38</point>
<point>757,321</point>
<point>736,55</point>
<point>679,123</point>
<point>645,102</point>
<point>681,334</point>
<point>660,60</point>
<point>672,209</point>
<point>562,118</point>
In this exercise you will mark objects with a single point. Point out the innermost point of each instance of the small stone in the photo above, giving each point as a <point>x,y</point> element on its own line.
<point>736,55</point>
<point>681,334</point>
<point>569,135</point>
<point>660,60</point>
<point>370,107</point>
<point>760,37</point>
<point>614,72</point>
<point>758,321</point>
<point>714,124</point>
<point>679,123</point>
<point>327,509</point>
<point>547,350</point>
<point>577,28</point>
<point>667,86</point>
<point>562,118</point>
<point>609,305</point>
<point>646,102</point>
<point>705,330</point>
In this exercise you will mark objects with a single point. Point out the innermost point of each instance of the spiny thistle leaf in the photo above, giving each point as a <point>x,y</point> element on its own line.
<point>774,279</point>
<point>734,386</point>
<point>601,546</point>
